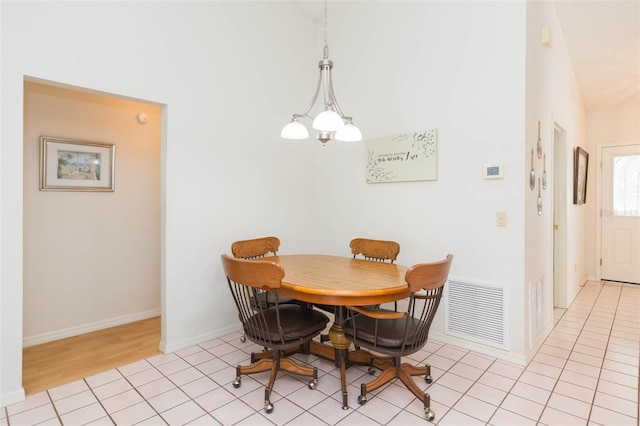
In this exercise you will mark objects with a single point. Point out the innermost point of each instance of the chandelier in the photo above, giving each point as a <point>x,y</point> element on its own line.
<point>331,121</point>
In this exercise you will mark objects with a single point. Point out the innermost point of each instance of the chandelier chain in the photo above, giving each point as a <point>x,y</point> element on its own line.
<point>325,23</point>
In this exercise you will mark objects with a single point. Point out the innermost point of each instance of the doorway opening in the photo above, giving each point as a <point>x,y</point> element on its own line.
<point>619,218</point>
<point>91,260</point>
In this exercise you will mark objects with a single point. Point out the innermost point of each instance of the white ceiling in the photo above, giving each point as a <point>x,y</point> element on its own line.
<point>603,37</point>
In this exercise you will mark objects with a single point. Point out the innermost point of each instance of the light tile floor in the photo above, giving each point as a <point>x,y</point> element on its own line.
<point>586,373</point>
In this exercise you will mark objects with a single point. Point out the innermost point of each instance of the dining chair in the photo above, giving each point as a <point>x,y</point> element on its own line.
<point>377,250</point>
<point>397,334</point>
<point>254,249</point>
<point>367,249</point>
<point>279,327</point>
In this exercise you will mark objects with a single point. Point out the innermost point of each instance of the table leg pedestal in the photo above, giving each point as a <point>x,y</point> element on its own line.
<point>341,346</point>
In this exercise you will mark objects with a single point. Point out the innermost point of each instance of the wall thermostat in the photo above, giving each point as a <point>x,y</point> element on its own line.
<point>492,171</point>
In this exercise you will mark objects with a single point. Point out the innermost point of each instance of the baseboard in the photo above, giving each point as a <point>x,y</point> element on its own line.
<point>166,348</point>
<point>504,355</point>
<point>87,328</point>
<point>12,397</point>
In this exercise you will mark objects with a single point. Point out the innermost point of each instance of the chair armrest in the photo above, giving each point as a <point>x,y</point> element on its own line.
<point>425,296</point>
<point>376,313</point>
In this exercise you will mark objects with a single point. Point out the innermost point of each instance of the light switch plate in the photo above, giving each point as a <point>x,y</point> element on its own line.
<point>501,219</point>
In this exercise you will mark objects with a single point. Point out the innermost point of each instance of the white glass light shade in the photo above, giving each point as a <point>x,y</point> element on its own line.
<point>349,133</point>
<point>328,121</point>
<point>294,130</point>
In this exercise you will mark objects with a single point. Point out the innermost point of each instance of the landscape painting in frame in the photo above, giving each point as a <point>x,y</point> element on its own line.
<point>403,158</point>
<point>74,165</point>
<point>580,168</point>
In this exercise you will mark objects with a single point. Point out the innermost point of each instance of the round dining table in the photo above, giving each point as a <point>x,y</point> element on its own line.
<point>341,282</point>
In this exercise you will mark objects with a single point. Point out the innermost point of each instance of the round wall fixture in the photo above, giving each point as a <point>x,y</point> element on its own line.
<point>142,118</point>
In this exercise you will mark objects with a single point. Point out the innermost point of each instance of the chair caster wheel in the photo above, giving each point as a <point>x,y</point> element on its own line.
<point>371,370</point>
<point>268,407</point>
<point>362,399</point>
<point>428,379</point>
<point>236,383</point>
<point>243,339</point>
<point>429,414</point>
<point>313,384</point>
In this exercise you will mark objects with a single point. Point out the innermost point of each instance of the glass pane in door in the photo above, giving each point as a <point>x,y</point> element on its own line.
<point>626,185</point>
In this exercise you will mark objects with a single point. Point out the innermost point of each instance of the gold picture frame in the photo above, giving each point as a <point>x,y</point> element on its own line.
<point>76,165</point>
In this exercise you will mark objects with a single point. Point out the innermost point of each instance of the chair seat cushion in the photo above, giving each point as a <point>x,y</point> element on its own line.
<point>297,322</point>
<point>390,331</point>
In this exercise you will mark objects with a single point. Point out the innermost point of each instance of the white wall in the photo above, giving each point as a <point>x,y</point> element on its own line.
<point>553,98</point>
<point>458,67</point>
<point>229,74</point>
<point>91,260</point>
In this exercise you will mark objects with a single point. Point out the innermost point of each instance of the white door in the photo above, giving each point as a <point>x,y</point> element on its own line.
<point>559,188</point>
<point>621,213</point>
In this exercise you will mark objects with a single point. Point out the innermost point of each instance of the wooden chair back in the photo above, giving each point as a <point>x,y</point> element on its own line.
<point>283,328</point>
<point>401,333</point>
<point>262,275</point>
<point>427,276</point>
<point>376,250</point>
<point>404,332</point>
<point>258,247</point>
<point>250,280</point>
<point>426,282</point>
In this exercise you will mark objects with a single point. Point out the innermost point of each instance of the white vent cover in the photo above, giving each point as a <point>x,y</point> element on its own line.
<point>476,312</point>
<point>536,311</point>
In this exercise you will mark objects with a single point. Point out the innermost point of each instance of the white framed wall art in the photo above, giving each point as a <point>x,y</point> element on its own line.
<point>402,158</point>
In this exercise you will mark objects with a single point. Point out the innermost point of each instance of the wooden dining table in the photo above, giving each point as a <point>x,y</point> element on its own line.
<point>340,281</point>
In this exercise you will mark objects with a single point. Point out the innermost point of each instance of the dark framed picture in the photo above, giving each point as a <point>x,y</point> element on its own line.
<point>74,165</point>
<point>580,168</point>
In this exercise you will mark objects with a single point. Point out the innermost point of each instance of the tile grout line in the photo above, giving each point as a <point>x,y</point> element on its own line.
<point>138,392</point>
<point>595,301</point>
<point>620,287</point>
<point>545,405</point>
<point>99,402</point>
<point>595,391</point>
<point>55,409</point>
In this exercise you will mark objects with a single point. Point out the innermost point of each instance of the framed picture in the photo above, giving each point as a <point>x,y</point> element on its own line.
<point>580,167</point>
<point>74,165</point>
<point>403,158</point>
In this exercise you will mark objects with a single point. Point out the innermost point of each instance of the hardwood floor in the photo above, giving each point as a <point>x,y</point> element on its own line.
<point>63,361</point>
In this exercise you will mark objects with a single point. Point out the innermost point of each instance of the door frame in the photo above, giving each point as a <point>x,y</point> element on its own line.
<point>559,201</point>
<point>598,212</point>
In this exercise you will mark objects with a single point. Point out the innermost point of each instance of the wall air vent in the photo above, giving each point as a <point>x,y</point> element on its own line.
<point>476,312</point>
<point>536,312</point>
